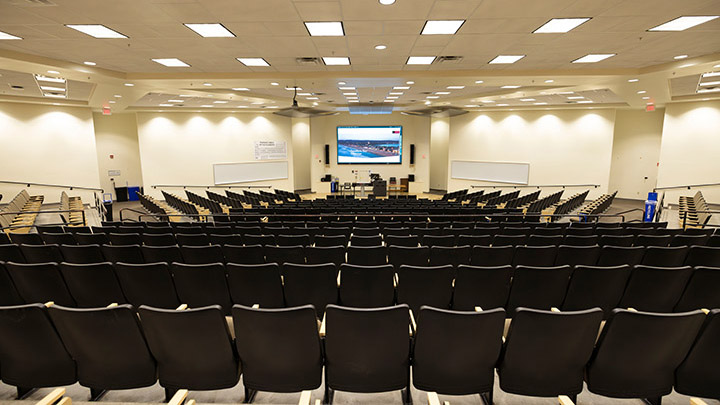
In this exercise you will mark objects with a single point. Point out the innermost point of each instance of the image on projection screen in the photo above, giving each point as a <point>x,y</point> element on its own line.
<point>368,145</point>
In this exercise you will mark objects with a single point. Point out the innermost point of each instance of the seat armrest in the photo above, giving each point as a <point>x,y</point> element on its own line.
<point>565,400</point>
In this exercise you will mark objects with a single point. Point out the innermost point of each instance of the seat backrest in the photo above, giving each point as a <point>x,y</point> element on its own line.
<point>358,240</point>
<point>538,287</point>
<point>41,253</point>
<point>701,290</point>
<point>92,285</point>
<point>577,255</point>
<point>8,293</point>
<point>455,353</point>
<point>455,256</point>
<point>26,238</point>
<point>82,254</point>
<point>91,239</point>
<point>620,255</point>
<point>314,284</point>
<point>58,238</point>
<point>285,254</point>
<point>252,284</point>
<point>655,289</point>
<point>535,256</point>
<point>167,254</point>
<point>331,240</point>
<point>652,240</point>
<point>40,283</point>
<point>202,254</point>
<point>366,286</point>
<point>325,254</point>
<point>638,352</point>
<point>367,350</point>
<point>162,239</point>
<point>279,349</point>
<point>673,256</point>
<point>414,256</point>
<point>541,357</point>
<point>703,256</point>
<point>125,239</point>
<point>189,239</point>
<point>31,352</point>
<point>200,285</point>
<point>123,253</point>
<point>698,375</point>
<point>489,256</point>
<point>484,287</point>
<point>108,346</point>
<point>193,347</point>
<point>251,254</point>
<point>367,255</point>
<point>147,284</point>
<point>11,253</point>
<point>592,286</point>
<point>431,286</point>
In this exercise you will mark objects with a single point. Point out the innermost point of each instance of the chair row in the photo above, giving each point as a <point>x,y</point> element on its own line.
<point>655,289</point>
<point>21,212</point>
<point>539,256</point>
<point>546,353</point>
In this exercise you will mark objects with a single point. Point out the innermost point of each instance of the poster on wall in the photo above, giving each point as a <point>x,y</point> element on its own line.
<point>270,150</point>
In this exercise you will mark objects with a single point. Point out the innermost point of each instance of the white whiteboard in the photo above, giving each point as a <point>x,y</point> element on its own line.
<point>501,172</point>
<point>228,173</point>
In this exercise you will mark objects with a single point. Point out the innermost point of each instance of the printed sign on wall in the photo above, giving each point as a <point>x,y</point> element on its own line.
<point>270,150</point>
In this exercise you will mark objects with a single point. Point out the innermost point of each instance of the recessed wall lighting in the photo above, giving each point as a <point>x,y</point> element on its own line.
<point>585,102</point>
<point>455,87</point>
<point>206,106</point>
<point>380,47</point>
<point>506,59</point>
<point>129,85</point>
<point>646,98</point>
<point>442,27</point>
<point>479,81</point>
<point>349,94</point>
<point>472,106</point>
<point>388,101</point>
<point>171,62</point>
<point>560,25</point>
<point>53,95</point>
<point>353,101</point>
<point>293,88</point>
<point>240,89</point>
<point>96,30</point>
<point>683,23</point>
<point>304,94</point>
<point>420,60</point>
<point>312,98</point>
<point>325,29</point>
<point>501,105</point>
<point>253,62</point>
<point>593,57</point>
<point>433,97</point>
<point>387,2</point>
<point>5,35</point>
<point>549,81</point>
<point>511,86</point>
<point>540,103</point>
<point>111,101</point>
<point>708,90</point>
<point>633,80</point>
<point>410,82</point>
<point>392,97</point>
<point>336,60</point>
<point>680,57</point>
<point>711,74</point>
<point>212,30</point>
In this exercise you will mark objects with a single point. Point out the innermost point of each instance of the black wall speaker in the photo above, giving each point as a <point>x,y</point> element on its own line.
<point>327,154</point>
<point>412,153</point>
<point>411,178</point>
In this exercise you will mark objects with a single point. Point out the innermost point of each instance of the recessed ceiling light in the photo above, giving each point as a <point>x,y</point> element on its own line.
<point>442,27</point>
<point>353,101</point>
<point>479,81</point>
<point>711,74</point>
<point>708,90</point>
<point>387,2</point>
<point>388,101</point>
<point>646,98</point>
<point>488,101</point>
<point>129,85</point>
<point>254,62</point>
<point>176,101</point>
<point>633,80</point>
<point>513,86</point>
<point>472,106</point>
<point>312,98</point>
<point>392,97</point>
<point>380,47</point>
<point>585,102</point>
<point>715,83</point>
<point>409,82</point>
<point>304,94</point>
<point>220,102</point>
<point>96,30</point>
<point>401,88</point>
<point>325,29</point>
<point>560,25</point>
<point>349,94</point>
<point>428,102</point>
<point>593,57</point>
<point>549,81</point>
<point>5,35</point>
<point>680,57</point>
<point>53,95</point>
<point>717,66</point>
<point>683,23</point>
<point>347,88</point>
<point>213,30</point>
<point>540,103</point>
<point>420,60</point>
<point>396,93</point>
<point>54,72</point>
<point>336,60</point>
<point>240,89</point>
<point>432,97</point>
<point>186,95</point>
<point>206,106</point>
<point>566,92</point>
<point>341,83</point>
<point>576,98</point>
<point>117,96</point>
<point>641,92</point>
<point>52,88</point>
<point>207,84</point>
<point>314,103</point>
<point>506,59</point>
<point>90,63</point>
<point>165,105</point>
<point>442,93</point>
<point>275,84</point>
<point>455,87</point>
<point>293,88</point>
<point>527,99</point>
<point>111,101</point>
<point>501,105</point>
<point>171,62</point>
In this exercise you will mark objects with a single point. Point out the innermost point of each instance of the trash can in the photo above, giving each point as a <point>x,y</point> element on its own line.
<point>108,204</point>
<point>650,207</point>
<point>133,193</point>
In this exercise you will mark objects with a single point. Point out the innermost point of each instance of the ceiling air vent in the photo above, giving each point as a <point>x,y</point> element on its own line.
<point>16,87</point>
<point>307,61</point>
<point>32,3</point>
<point>449,59</point>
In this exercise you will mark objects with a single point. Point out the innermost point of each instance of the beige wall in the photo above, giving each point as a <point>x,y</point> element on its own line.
<point>416,130</point>
<point>561,146</point>
<point>636,152</point>
<point>301,152</point>
<point>47,144</point>
<point>181,148</point>
<point>117,135</point>
<point>439,142</point>
<point>690,151</point>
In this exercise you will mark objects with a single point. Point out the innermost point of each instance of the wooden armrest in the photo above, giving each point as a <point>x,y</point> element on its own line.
<point>565,400</point>
<point>322,325</point>
<point>52,397</point>
<point>182,307</point>
<point>256,306</point>
<point>707,311</point>
<point>413,325</point>
<point>179,397</point>
<point>632,309</point>
<point>396,280</point>
<point>113,305</point>
<point>478,309</point>
<point>697,401</point>
<point>49,304</point>
<point>554,309</point>
<point>305,398</point>
<point>64,401</point>
<point>433,398</point>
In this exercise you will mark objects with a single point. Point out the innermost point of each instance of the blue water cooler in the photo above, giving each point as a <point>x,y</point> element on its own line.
<point>650,207</point>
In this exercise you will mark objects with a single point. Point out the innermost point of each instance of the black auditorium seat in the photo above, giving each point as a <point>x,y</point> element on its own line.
<point>82,253</point>
<point>147,284</point>
<point>314,284</point>
<point>397,240</point>
<point>655,289</point>
<point>413,256</point>
<point>325,254</point>
<point>11,253</point>
<point>703,256</point>
<point>92,239</point>
<point>369,240</point>
<point>331,240</point>
<point>202,254</point>
<point>592,286</point>
<point>8,293</point>
<point>577,255</point>
<point>167,254</point>
<point>189,239</point>
<point>701,290</point>
<point>619,255</point>
<point>161,239</point>
<point>672,256</point>
<point>455,256</point>
<point>698,374</point>
<point>200,285</point>
<point>92,285</point>
<point>484,287</point>
<point>252,284</point>
<point>123,253</point>
<point>538,287</point>
<point>26,238</point>
<point>366,255</point>
<point>125,239</point>
<point>366,286</point>
<point>40,283</point>
<point>58,238</point>
<point>41,253</point>
<point>285,254</point>
<point>431,286</point>
<point>537,256</point>
<point>250,254</point>
<point>488,256</point>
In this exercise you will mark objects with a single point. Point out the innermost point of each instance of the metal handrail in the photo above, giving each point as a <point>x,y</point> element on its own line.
<point>685,214</point>
<point>687,186</point>
<point>205,186</point>
<point>539,185</point>
<point>40,212</point>
<point>28,183</point>
<point>120,213</point>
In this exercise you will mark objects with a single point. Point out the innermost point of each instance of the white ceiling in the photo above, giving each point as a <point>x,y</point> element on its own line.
<point>274,30</point>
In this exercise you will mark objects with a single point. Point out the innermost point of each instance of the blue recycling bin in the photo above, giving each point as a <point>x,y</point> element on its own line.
<point>650,207</point>
<point>133,193</point>
<point>333,186</point>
